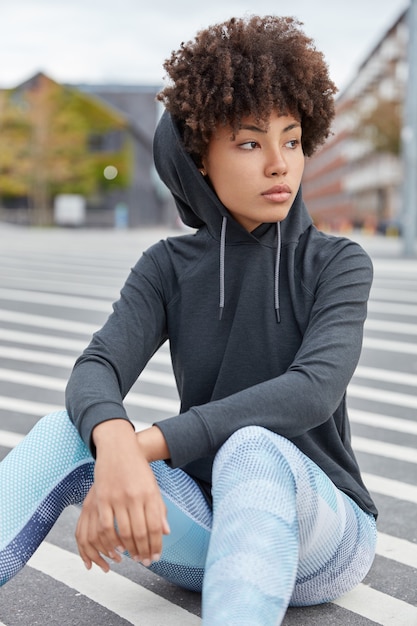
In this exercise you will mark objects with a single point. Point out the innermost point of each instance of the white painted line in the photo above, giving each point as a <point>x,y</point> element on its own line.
<point>52,358</point>
<point>51,299</point>
<point>397,549</point>
<point>391,488</point>
<point>49,358</point>
<point>385,449</point>
<point>152,402</point>
<point>142,607</point>
<point>398,295</point>
<point>382,395</point>
<point>378,607</point>
<point>165,379</point>
<point>389,346</point>
<point>28,407</point>
<point>58,384</point>
<point>161,357</point>
<point>9,439</point>
<point>36,356</point>
<point>39,271</point>
<point>43,321</point>
<point>36,339</point>
<point>33,380</point>
<point>386,326</point>
<point>116,593</point>
<point>392,308</point>
<point>107,291</point>
<point>49,382</point>
<point>377,420</point>
<point>389,376</point>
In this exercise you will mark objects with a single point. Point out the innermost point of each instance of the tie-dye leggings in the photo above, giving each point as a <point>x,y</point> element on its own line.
<point>279,533</point>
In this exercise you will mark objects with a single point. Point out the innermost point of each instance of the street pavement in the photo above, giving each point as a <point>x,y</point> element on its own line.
<point>56,288</point>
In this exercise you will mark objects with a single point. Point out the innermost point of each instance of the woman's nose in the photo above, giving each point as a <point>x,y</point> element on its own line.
<point>276,164</point>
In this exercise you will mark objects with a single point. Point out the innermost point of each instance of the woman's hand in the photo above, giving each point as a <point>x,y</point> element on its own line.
<point>124,493</point>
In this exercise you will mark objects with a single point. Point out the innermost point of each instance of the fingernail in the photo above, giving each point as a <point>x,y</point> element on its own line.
<point>87,565</point>
<point>156,557</point>
<point>146,562</point>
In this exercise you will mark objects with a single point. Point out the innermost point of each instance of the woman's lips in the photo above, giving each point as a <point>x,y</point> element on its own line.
<point>278,193</point>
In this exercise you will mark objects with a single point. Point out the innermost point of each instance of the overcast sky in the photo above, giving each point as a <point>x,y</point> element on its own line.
<point>126,41</point>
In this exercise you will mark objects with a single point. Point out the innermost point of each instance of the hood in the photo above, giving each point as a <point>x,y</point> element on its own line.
<point>198,204</point>
<point>196,201</point>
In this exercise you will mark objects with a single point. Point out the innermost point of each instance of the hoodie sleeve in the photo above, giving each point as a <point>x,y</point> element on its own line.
<point>110,365</point>
<point>315,383</point>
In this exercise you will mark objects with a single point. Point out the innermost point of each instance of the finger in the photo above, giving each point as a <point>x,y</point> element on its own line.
<point>88,548</point>
<point>126,526</point>
<point>79,537</point>
<point>108,538</point>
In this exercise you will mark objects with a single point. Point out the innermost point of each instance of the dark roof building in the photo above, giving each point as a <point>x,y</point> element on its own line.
<point>113,127</point>
<point>146,201</point>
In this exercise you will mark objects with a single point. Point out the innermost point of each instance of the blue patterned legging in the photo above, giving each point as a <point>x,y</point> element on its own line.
<point>280,532</point>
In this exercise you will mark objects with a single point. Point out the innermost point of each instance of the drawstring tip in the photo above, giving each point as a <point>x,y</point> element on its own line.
<point>278,316</point>
<point>220,313</point>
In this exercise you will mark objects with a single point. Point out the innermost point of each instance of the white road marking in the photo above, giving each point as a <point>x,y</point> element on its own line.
<point>382,395</point>
<point>389,487</point>
<point>132,602</point>
<point>389,376</point>
<point>377,420</point>
<point>397,549</point>
<point>378,607</point>
<point>385,449</point>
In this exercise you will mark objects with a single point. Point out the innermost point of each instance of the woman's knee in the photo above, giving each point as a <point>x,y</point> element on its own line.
<point>255,440</point>
<point>55,431</point>
<point>254,450</point>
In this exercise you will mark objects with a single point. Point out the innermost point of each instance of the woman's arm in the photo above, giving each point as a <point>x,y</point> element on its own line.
<point>314,385</point>
<point>124,493</point>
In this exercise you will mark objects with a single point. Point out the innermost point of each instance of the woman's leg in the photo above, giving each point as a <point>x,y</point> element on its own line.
<point>50,469</point>
<point>282,532</point>
<point>184,550</point>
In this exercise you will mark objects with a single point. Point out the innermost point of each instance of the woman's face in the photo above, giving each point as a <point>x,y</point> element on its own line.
<point>257,171</point>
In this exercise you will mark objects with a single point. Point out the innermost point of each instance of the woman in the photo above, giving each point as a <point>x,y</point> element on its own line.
<point>254,484</point>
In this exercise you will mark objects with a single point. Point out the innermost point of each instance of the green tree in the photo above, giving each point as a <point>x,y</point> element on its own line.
<point>48,130</point>
<point>15,161</point>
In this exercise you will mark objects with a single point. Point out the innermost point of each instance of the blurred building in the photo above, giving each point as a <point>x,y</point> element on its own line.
<point>81,140</point>
<point>145,197</point>
<point>355,179</point>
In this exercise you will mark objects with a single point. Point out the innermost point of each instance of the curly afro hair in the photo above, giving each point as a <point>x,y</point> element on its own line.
<point>248,66</point>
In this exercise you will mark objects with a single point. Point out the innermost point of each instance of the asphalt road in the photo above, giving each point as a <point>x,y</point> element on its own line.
<point>56,288</point>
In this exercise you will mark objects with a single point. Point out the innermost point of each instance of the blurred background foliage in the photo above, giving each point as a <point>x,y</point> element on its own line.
<point>58,140</point>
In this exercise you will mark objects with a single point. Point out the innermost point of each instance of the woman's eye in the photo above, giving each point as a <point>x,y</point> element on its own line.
<point>248,145</point>
<point>292,144</point>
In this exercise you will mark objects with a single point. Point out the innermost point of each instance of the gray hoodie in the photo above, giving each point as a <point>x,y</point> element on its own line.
<point>281,353</point>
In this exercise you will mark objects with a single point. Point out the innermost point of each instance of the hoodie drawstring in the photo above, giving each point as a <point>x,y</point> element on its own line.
<point>276,277</point>
<point>222,253</point>
<point>221,266</point>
